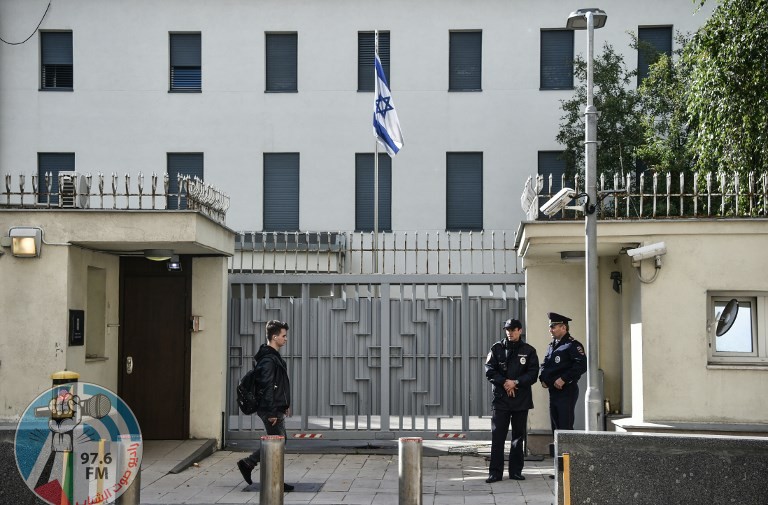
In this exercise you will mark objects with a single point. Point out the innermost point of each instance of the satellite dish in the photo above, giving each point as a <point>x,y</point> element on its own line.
<point>727,318</point>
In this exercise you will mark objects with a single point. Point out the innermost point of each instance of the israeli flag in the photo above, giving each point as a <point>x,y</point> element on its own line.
<point>386,126</point>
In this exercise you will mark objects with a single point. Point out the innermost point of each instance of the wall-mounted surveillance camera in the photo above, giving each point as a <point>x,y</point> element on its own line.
<point>558,202</point>
<point>647,251</point>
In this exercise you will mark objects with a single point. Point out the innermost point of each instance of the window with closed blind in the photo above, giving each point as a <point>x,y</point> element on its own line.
<point>190,164</point>
<point>556,59</point>
<point>186,70</point>
<point>465,61</point>
<point>281,192</point>
<point>281,56</point>
<point>364,192</point>
<point>52,163</point>
<point>652,41</point>
<point>464,192</point>
<point>56,61</point>
<point>552,163</point>
<point>365,56</point>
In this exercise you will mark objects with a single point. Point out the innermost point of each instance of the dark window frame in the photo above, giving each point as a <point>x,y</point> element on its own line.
<point>276,204</point>
<point>643,65</point>
<point>364,195</point>
<point>549,157</point>
<point>191,161</point>
<point>464,205</point>
<point>281,76</point>
<point>365,57</point>
<point>464,76</point>
<point>56,61</point>
<point>564,71</point>
<point>44,164</point>
<point>185,70</point>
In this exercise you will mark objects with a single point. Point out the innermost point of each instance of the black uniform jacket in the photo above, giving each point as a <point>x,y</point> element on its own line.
<point>516,361</point>
<point>565,358</point>
<point>273,381</point>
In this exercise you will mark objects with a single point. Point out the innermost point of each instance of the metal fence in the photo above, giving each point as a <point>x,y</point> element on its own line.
<point>660,196</point>
<point>401,252</point>
<point>374,356</point>
<point>72,190</point>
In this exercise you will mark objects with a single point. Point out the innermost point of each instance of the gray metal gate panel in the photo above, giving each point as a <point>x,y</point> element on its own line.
<point>387,358</point>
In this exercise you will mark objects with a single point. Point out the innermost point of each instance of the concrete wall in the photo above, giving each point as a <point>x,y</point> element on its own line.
<point>34,306</point>
<point>654,337</point>
<point>121,118</point>
<point>38,293</point>
<point>209,348</point>
<point>650,469</point>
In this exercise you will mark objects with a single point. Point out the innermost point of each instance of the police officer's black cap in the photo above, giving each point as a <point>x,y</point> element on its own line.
<point>512,323</point>
<point>555,318</point>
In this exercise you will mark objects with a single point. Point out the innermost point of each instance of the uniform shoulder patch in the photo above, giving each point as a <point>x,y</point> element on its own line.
<point>580,350</point>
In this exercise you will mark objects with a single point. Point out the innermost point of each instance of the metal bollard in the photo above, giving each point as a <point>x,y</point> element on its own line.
<point>272,470</point>
<point>409,470</point>
<point>132,495</point>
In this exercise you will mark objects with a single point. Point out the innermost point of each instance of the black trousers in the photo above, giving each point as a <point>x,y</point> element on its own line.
<point>562,406</point>
<point>277,429</point>
<point>500,423</point>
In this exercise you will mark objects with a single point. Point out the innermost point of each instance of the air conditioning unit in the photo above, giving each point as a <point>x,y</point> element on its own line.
<point>73,191</point>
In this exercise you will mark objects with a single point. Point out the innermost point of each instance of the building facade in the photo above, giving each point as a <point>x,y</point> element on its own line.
<point>271,102</point>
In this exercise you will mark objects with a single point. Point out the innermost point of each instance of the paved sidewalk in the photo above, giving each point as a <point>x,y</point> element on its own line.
<point>332,478</point>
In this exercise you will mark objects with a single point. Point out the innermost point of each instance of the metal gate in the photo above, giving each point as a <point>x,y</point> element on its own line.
<point>374,356</point>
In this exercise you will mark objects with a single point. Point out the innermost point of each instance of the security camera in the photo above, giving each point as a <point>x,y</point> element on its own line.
<point>558,202</point>
<point>647,251</point>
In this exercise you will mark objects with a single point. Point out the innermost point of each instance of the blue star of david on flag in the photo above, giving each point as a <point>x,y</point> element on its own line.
<point>386,126</point>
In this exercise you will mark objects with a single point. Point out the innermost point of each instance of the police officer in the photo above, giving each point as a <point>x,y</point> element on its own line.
<point>512,367</point>
<point>564,363</point>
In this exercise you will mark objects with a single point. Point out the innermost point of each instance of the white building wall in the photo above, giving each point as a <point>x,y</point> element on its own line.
<point>121,118</point>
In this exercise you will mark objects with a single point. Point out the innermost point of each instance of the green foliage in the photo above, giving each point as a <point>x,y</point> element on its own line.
<point>665,120</point>
<point>619,129</point>
<point>727,98</point>
<point>705,109</point>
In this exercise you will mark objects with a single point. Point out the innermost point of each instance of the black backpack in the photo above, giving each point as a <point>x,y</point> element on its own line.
<point>248,394</point>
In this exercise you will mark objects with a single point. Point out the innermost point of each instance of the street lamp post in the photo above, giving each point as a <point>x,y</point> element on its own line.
<point>590,19</point>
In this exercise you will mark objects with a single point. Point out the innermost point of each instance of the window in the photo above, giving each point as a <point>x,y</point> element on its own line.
<point>190,164</point>
<point>365,52</point>
<point>651,43</point>
<point>96,312</point>
<point>281,191</point>
<point>747,340</point>
<point>556,68</point>
<point>186,73</point>
<point>52,163</point>
<point>364,192</point>
<point>465,61</point>
<point>552,162</point>
<point>464,191</point>
<point>56,60</point>
<point>281,62</point>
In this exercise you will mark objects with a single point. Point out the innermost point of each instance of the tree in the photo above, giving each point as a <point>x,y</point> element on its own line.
<point>665,120</point>
<point>728,88</point>
<point>619,128</point>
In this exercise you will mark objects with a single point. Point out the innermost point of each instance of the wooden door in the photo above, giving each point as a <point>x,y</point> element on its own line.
<point>155,347</point>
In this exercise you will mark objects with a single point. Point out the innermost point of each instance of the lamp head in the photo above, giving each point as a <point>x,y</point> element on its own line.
<point>578,19</point>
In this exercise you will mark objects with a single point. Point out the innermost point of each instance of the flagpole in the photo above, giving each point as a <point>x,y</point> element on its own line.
<point>375,171</point>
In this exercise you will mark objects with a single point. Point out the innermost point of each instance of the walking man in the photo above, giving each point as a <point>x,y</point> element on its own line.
<point>512,366</point>
<point>564,363</point>
<point>275,387</point>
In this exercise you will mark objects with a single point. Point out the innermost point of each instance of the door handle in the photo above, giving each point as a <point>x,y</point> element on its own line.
<point>129,365</point>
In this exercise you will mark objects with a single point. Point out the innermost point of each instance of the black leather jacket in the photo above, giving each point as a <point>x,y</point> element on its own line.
<point>273,381</point>
<point>512,360</point>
